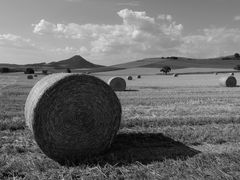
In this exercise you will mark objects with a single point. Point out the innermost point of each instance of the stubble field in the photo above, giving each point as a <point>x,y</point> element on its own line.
<point>183,127</point>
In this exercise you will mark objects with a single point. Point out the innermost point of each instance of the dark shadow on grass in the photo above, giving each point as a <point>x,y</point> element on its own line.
<point>144,148</point>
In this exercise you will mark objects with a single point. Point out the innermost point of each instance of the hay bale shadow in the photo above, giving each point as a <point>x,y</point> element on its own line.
<point>144,148</point>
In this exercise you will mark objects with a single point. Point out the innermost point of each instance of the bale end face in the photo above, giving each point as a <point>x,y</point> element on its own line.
<point>30,76</point>
<point>130,78</point>
<point>117,83</point>
<point>229,81</point>
<point>72,116</point>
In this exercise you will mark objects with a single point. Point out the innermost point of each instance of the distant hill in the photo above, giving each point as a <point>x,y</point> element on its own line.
<point>79,64</point>
<point>182,62</point>
<point>75,62</point>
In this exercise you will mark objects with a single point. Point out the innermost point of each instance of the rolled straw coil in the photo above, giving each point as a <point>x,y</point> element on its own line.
<point>130,78</point>
<point>30,76</point>
<point>229,81</point>
<point>117,83</point>
<point>72,116</point>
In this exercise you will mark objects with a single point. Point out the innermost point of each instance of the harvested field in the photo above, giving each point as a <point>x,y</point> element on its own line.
<point>169,130</point>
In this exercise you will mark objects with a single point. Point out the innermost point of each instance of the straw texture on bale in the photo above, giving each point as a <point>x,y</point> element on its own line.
<point>72,116</point>
<point>117,83</point>
<point>229,81</point>
<point>30,76</point>
<point>129,77</point>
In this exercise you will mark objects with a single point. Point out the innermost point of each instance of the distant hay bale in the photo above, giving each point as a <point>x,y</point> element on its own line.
<point>117,83</point>
<point>68,70</point>
<point>216,73</point>
<point>139,76</point>
<point>30,76</point>
<point>130,78</point>
<point>72,116</point>
<point>229,81</point>
<point>35,75</point>
<point>231,74</point>
<point>45,72</point>
<point>175,75</point>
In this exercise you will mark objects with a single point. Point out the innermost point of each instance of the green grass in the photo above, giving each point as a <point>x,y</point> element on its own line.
<point>166,133</point>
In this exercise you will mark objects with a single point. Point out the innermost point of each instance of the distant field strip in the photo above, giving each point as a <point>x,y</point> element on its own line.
<point>7,80</point>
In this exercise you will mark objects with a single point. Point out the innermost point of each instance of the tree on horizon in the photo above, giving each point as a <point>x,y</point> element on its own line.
<point>165,69</point>
<point>237,55</point>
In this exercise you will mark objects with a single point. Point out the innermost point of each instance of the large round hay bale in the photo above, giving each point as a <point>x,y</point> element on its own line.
<point>72,116</point>
<point>130,78</point>
<point>229,81</point>
<point>139,76</point>
<point>30,76</point>
<point>117,83</point>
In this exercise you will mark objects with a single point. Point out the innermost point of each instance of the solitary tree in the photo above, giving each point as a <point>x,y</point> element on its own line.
<point>29,71</point>
<point>165,69</point>
<point>237,55</point>
<point>68,70</point>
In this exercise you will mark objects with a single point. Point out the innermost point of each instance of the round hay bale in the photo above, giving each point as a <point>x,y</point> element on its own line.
<point>35,75</point>
<point>117,83</point>
<point>138,76</point>
<point>231,74</point>
<point>216,73</point>
<point>175,75</point>
<point>229,81</point>
<point>72,116</point>
<point>45,72</point>
<point>130,78</point>
<point>30,76</point>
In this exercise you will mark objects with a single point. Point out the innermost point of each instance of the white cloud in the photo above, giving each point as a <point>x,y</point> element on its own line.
<point>165,17</point>
<point>139,36</point>
<point>69,50</point>
<point>237,18</point>
<point>211,43</point>
<point>12,40</point>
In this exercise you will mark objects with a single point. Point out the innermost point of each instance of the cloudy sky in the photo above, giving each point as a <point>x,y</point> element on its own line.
<point>114,31</point>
